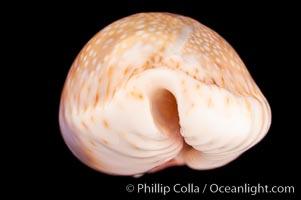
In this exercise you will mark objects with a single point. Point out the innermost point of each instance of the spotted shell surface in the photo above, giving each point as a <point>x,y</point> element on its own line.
<point>154,90</point>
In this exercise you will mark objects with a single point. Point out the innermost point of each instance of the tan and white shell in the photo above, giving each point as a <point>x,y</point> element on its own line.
<point>157,89</point>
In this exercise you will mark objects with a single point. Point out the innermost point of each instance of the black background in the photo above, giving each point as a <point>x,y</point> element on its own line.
<point>263,35</point>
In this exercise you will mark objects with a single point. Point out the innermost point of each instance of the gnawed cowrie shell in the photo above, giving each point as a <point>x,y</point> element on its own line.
<point>154,90</point>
